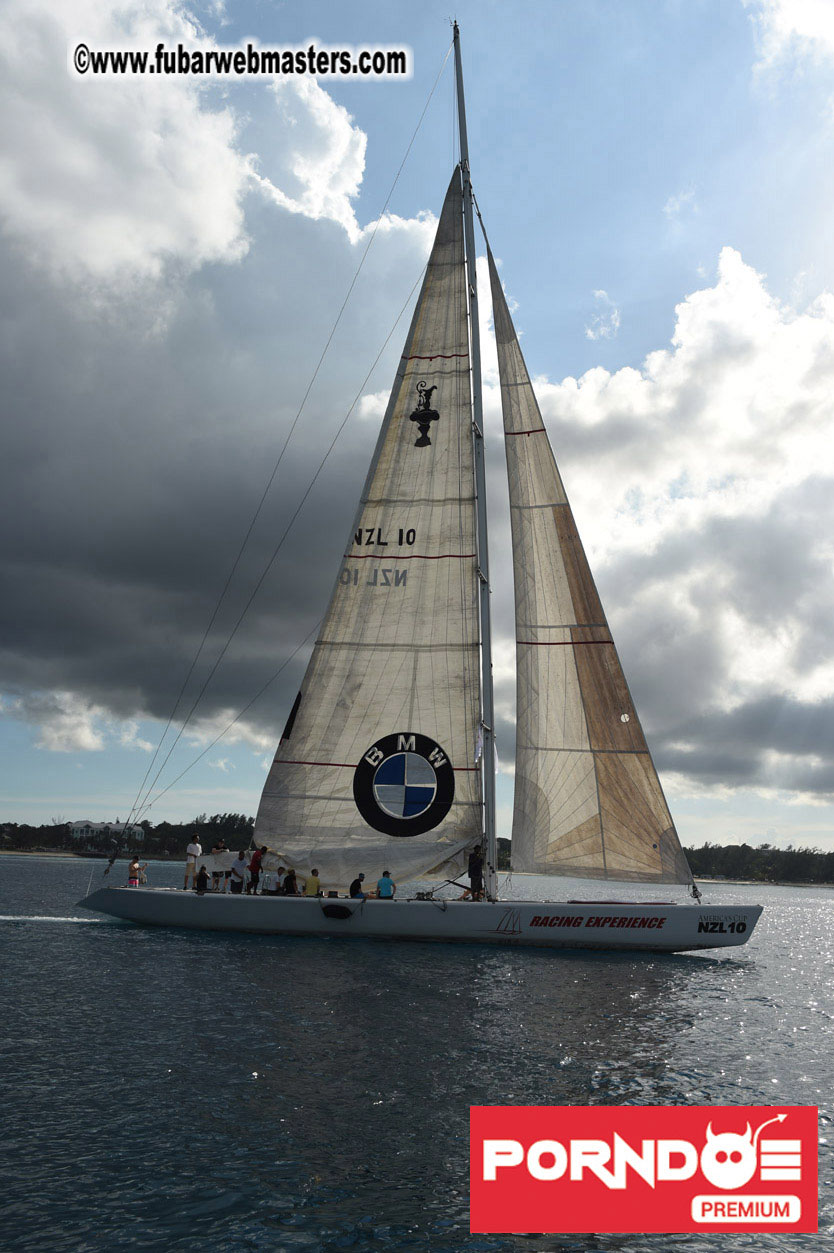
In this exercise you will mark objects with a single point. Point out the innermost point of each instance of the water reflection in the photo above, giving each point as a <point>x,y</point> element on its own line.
<point>370,1062</point>
<point>187,1091</point>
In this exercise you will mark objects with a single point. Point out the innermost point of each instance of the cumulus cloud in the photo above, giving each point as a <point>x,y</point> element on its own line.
<point>787,28</point>
<point>700,480</point>
<point>207,728</point>
<point>136,174</point>
<point>709,514</point>
<point>129,736</point>
<point>322,156</point>
<point>372,407</point>
<point>606,321</point>
<point>680,204</point>
<point>69,722</point>
<point>141,439</point>
<point>675,203</point>
<point>131,173</point>
<point>66,722</point>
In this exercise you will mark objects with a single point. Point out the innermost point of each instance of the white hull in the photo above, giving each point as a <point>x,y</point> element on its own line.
<point>600,925</point>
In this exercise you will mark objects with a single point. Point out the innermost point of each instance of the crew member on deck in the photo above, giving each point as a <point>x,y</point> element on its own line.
<point>217,874</point>
<point>475,870</point>
<point>255,870</point>
<point>238,873</point>
<point>194,850</point>
<point>356,888</point>
<point>134,873</point>
<point>386,887</point>
<point>312,886</point>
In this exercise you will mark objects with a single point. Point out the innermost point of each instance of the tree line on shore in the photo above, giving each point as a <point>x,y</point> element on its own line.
<point>167,840</point>
<point>161,841</point>
<point>763,864</point>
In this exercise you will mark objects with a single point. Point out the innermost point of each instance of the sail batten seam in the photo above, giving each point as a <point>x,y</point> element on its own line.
<point>409,557</point>
<point>563,626</point>
<point>561,643</point>
<point>409,647</point>
<point>436,356</point>
<point>560,748</point>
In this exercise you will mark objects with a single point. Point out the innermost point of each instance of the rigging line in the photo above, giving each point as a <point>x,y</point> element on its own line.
<point>271,479</point>
<point>454,121</point>
<point>244,710</point>
<point>283,537</point>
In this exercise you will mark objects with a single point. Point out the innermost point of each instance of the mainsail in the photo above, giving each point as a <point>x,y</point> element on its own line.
<point>377,766</point>
<point>588,801</point>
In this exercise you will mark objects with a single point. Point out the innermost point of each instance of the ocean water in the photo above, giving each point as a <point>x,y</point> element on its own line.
<point>170,1090</point>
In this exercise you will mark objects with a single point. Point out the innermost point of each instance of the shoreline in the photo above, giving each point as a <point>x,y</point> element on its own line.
<point>739,883</point>
<point>762,883</point>
<point>45,852</point>
<point>59,852</point>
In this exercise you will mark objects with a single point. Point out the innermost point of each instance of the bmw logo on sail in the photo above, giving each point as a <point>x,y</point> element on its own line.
<point>404,785</point>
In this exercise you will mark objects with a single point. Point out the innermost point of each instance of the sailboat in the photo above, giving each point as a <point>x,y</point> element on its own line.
<point>387,759</point>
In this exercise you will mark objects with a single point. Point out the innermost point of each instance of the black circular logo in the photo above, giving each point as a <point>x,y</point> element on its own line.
<point>404,785</point>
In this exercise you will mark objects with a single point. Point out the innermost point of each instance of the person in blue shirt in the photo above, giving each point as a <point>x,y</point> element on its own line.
<point>386,887</point>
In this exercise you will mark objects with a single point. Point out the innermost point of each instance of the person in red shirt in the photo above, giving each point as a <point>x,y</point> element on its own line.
<point>255,871</point>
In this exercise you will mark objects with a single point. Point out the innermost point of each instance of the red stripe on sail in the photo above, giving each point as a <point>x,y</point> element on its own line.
<point>408,557</point>
<point>347,765</point>
<point>440,356</point>
<point>561,643</point>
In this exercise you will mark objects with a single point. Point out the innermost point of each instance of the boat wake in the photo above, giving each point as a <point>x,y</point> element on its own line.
<point>95,922</point>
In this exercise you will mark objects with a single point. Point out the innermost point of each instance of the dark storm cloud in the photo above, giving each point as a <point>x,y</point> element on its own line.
<point>669,610</point>
<point>142,427</point>
<point>768,566</point>
<point>135,454</point>
<point>738,744</point>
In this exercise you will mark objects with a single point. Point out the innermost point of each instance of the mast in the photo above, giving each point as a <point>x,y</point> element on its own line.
<point>482,549</point>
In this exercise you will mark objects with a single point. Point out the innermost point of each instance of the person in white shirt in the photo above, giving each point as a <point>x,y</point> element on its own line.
<point>193,851</point>
<point>239,869</point>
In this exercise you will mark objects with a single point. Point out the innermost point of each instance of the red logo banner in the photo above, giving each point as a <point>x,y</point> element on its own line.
<point>628,1168</point>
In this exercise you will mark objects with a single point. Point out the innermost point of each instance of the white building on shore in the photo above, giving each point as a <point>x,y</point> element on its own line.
<point>101,834</point>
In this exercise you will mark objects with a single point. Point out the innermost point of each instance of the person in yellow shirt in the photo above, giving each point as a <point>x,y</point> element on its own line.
<point>313,886</point>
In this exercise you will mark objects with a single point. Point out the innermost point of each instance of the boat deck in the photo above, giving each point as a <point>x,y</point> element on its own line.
<point>657,926</point>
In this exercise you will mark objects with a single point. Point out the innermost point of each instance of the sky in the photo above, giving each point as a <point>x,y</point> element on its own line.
<point>656,178</point>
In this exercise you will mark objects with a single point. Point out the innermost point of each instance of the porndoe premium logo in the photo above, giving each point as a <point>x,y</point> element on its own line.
<point>670,1168</point>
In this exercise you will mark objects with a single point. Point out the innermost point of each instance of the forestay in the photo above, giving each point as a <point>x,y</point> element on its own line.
<point>377,765</point>
<point>587,797</point>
